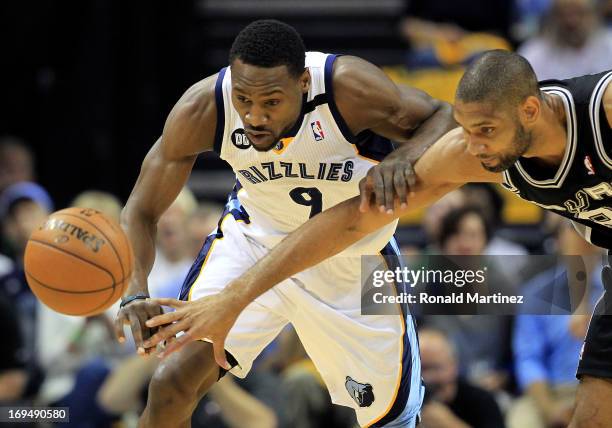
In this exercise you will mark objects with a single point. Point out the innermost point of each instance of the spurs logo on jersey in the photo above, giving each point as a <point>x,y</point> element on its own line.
<point>316,165</point>
<point>581,187</point>
<point>580,206</point>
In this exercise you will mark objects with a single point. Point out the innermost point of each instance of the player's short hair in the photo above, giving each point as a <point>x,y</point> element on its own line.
<point>498,77</point>
<point>270,43</point>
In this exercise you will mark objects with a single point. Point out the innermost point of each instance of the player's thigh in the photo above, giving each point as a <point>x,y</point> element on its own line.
<point>222,260</point>
<point>370,363</point>
<point>593,403</point>
<point>225,255</point>
<point>596,356</point>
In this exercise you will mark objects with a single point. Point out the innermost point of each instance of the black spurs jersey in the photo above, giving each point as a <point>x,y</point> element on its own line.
<point>581,187</point>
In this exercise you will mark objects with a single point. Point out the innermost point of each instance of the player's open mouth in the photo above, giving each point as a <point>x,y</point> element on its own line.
<point>258,137</point>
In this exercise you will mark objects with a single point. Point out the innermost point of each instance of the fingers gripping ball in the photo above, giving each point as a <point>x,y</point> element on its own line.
<point>78,262</point>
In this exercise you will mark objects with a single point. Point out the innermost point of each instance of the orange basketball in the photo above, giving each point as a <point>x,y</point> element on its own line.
<point>78,262</point>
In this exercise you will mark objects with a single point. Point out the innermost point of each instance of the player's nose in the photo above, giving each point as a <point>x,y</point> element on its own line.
<point>476,147</point>
<point>256,117</point>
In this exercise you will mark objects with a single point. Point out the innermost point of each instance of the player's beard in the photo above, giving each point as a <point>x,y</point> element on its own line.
<point>520,144</point>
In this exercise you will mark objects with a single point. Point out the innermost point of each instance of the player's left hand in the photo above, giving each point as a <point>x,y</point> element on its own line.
<point>391,179</point>
<point>209,317</point>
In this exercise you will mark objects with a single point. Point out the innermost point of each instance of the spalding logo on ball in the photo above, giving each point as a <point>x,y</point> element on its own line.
<point>78,262</point>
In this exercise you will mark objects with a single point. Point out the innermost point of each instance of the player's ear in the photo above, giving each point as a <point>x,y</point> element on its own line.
<point>530,110</point>
<point>305,81</point>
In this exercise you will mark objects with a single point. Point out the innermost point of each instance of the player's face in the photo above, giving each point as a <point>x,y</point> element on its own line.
<point>495,136</point>
<point>268,100</point>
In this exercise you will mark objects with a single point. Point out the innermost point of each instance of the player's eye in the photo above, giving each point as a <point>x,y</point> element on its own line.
<point>242,99</point>
<point>487,130</point>
<point>272,103</point>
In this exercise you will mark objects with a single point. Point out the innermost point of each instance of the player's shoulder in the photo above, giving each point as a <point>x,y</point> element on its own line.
<point>365,96</point>
<point>197,100</point>
<point>192,120</point>
<point>351,74</point>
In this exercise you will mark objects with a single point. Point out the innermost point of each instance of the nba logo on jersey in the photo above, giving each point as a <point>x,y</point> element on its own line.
<point>317,130</point>
<point>589,165</point>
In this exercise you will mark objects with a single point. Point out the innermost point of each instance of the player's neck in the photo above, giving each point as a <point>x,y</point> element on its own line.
<point>550,132</point>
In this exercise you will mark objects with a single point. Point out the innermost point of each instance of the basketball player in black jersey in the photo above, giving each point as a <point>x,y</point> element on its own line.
<point>550,143</point>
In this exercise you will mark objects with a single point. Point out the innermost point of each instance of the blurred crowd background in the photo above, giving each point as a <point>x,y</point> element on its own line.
<point>86,87</point>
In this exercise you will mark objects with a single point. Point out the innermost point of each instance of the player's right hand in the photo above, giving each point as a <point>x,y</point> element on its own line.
<point>136,314</point>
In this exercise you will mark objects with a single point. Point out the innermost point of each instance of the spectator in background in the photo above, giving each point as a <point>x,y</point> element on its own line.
<point>482,341</point>
<point>200,223</point>
<point>452,402</point>
<point>173,251</point>
<point>227,406</point>
<point>23,207</point>
<point>446,33</point>
<point>545,349</point>
<point>13,376</point>
<point>16,165</point>
<point>16,162</point>
<point>489,201</point>
<point>529,15</point>
<point>307,400</point>
<point>572,42</point>
<point>606,12</point>
<point>432,222</point>
<point>464,231</point>
<point>106,203</point>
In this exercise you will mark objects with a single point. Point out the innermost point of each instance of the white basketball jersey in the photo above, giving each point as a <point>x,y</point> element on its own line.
<point>316,166</point>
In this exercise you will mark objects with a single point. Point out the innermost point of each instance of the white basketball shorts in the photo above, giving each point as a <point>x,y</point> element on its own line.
<point>368,362</point>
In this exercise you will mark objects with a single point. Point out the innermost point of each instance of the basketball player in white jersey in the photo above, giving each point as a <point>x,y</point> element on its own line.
<point>300,130</point>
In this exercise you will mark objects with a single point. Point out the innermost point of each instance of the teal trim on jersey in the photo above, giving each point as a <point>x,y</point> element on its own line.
<point>237,211</point>
<point>409,383</point>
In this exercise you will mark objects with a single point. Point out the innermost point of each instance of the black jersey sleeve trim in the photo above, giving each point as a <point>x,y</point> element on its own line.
<point>331,102</point>
<point>220,127</point>
<point>597,118</point>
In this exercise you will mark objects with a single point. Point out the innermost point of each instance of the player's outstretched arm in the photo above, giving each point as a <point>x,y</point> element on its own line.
<point>187,132</point>
<point>368,99</point>
<point>444,167</point>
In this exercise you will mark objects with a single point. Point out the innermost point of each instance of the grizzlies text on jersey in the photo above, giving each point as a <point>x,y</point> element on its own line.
<point>317,165</point>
